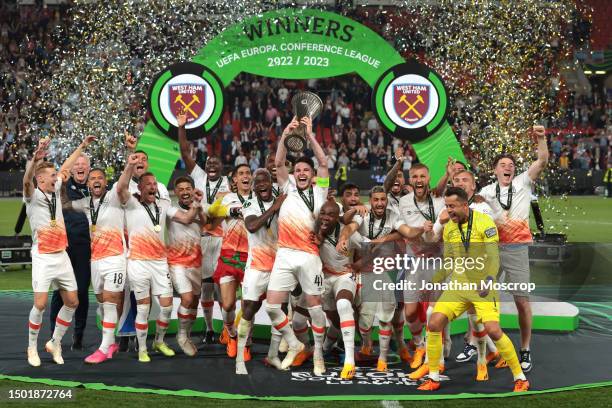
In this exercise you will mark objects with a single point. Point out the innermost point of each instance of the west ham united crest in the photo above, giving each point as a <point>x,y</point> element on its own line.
<point>186,88</point>
<point>410,101</point>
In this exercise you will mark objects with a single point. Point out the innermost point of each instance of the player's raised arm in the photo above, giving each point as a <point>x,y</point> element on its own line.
<point>392,174</point>
<point>130,143</point>
<point>123,183</point>
<point>253,223</point>
<point>322,170</point>
<point>28,177</point>
<point>282,173</point>
<point>450,169</point>
<point>184,144</point>
<point>538,166</point>
<point>64,171</point>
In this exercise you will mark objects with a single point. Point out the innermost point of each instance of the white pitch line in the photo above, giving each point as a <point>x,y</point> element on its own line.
<point>390,404</point>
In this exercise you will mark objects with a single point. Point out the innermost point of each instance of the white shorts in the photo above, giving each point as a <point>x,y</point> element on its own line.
<point>108,274</point>
<point>254,284</point>
<point>149,277</point>
<point>186,280</point>
<point>292,267</point>
<point>211,250</point>
<point>52,271</point>
<point>333,285</point>
<point>424,272</point>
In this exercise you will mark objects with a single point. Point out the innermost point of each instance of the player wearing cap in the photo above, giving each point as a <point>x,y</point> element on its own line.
<point>147,264</point>
<point>297,259</point>
<point>51,267</point>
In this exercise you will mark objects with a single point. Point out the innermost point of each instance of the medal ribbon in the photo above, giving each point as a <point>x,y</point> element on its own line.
<point>465,239</point>
<point>308,201</point>
<point>210,198</point>
<point>51,204</point>
<point>334,241</point>
<point>498,194</point>
<point>431,216</point>
<point>154,220</point>
<point>93,211</point>
<point>263,209</point>
<point>383,220</point>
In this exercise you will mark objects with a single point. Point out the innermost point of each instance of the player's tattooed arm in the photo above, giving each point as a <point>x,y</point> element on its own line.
<point>282,173</point>
<point>253,223</point>
<point>39,155</point>
<point>184,144</point>
<point>322,170</point>
<point>123,183</point>
<point>538,166</point>
<point>65,169</point>
<point>392,174</point>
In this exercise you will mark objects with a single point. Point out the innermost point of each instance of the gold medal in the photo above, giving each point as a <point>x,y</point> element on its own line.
<point>157,228</point>
<point>53,223</point>
<point>93,227</point>
<point>270,232</point>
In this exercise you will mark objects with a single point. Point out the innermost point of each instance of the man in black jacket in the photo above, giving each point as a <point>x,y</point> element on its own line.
<point>79,251</point>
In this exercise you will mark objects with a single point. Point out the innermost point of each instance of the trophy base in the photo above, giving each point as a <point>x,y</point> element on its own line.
<point>295,143</point>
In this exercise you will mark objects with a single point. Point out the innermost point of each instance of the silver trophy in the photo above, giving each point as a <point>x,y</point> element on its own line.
<point>305,104</point>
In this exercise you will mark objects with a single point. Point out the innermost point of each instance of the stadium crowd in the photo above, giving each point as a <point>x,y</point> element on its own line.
<point>259,108</point>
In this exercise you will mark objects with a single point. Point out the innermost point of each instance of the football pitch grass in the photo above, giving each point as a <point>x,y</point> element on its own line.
<point>583,219</point>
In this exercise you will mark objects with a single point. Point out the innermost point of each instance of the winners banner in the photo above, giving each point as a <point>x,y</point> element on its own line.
<point>408,98</point>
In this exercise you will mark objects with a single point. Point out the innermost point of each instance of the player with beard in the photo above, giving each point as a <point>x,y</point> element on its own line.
<point>51,265</point>
<point>512,193</point>
<point>395,183</point>
<point>234,253</point>
<point>261,221</point>
<point>419,208</point>
<point>147,265</point>
<point>185,259</point>
<point>466,181</point>
<point>215,186</point>
<point>468,235</point>
<point>377,225</point>
<point>297,259</point>
<point>339,284</point>
<point>105,215</point>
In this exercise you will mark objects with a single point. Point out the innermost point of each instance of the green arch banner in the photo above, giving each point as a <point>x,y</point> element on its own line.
<point>408,98</point>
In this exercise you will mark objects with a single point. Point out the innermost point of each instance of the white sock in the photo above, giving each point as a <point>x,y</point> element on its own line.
<point>490,344</point>
<point>184,318</point>
<point>207,302</point>
<point>275,339</point>
<point>281,323</point>
<point>193,315</point>
<point>62,323</point>
<point>108,325</point>
<point>317,323</point>
<point>366,335</point>
<point>300,327</point>
<point>162,323</point>
<point>479,335</point>
<point>428,314</point>
<point>347,327</point>
<point>469,338</point>
<point>244,327</point>
<point>142,325</point>
<point>384,338</point>
<point>34,324</point>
